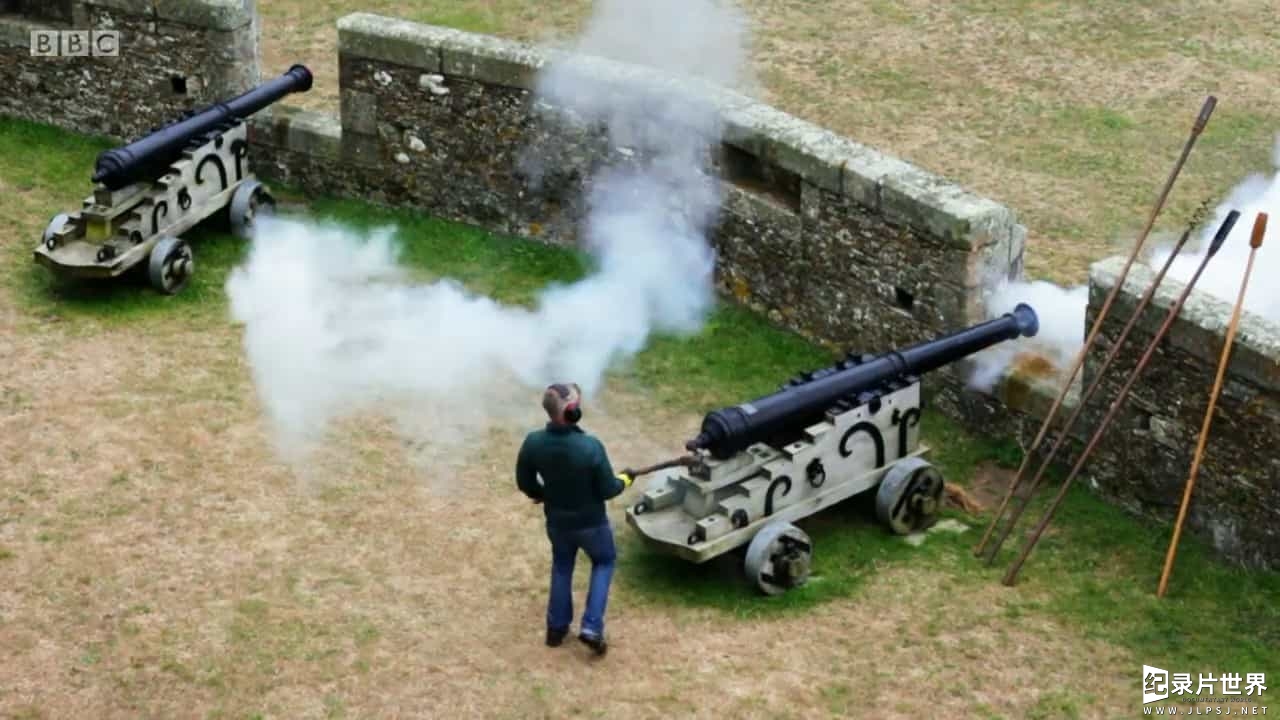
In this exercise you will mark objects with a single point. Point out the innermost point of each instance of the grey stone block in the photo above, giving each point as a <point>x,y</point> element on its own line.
<point>391,40</point>
<point>757,210</point>
<point>360,112</point>
<point>864,175</point>
<point>944,209</point>
<point>491,60</point>
<point>208,14</point>
<point>143,8</point>
<point>311,133</point>
<point>989,265</point>
<point>361,149</point>
<point>1017,253</point>
<point>820,156</point>
<point>1201,324</point>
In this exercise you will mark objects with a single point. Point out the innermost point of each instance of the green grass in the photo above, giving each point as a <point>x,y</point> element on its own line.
<point>50,165</point>
<point>507,269</point>
<point>1097,571</point>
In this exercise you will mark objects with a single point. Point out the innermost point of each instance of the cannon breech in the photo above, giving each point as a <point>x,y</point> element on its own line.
<point>730,430</point>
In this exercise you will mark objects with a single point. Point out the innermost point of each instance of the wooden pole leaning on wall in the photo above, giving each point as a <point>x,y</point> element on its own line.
<point>1196,129</point>
<point>1223,231</point>
<point>1034,484</point>
<point>1259,229</point>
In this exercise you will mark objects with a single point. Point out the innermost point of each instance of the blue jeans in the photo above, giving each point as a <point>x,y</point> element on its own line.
<point>597,543</point>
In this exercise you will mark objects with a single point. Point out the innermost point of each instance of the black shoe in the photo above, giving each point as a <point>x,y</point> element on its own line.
<point>555,637</point>
<point>597,644</point>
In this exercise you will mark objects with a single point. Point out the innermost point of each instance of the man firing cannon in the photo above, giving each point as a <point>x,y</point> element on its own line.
<point>568,472</point>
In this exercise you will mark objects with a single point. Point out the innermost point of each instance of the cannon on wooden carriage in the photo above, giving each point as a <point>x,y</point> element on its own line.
<point>825,436</point>
<point>151,191</point>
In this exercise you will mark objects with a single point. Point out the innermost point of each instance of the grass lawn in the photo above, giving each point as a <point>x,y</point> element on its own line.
<point>161,562</point>
<point>1072,114</point>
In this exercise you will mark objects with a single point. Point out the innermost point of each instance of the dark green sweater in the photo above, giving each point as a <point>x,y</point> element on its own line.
<point>576,476</point>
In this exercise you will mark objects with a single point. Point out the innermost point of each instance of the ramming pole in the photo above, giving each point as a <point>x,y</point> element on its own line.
<point>1259,229</point>
<point>1034,485</point>
<point>1196,129</point>
<point>1011,576</point>
<point>685,460</point>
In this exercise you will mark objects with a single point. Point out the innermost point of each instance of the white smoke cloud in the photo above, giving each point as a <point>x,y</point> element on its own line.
<point>333,327</point>
<point>1062,310</point>
<point>706,39</point>
<point>1224,273</point>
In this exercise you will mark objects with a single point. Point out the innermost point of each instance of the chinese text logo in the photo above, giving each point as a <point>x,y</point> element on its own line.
<point>1157,684</point>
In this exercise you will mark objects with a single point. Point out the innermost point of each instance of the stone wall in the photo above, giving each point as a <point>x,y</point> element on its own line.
<point>850,247</point>
<point>173,56</point>
<point>1145,458</point>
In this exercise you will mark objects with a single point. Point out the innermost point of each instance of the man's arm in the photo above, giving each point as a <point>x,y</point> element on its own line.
<point>526,474</point>
<point>608,485</point>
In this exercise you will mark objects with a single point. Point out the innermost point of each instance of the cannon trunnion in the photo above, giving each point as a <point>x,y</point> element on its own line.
<point>158,187</point>
<point>825,436</point>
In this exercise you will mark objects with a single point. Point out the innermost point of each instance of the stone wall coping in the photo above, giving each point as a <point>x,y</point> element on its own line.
<point>900,191</point>
<point>210,14</point>
<point>1201,325</point>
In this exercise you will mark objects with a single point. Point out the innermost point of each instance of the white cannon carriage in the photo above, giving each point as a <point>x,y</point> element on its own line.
<point>150,192</point>
<point>824,437</point>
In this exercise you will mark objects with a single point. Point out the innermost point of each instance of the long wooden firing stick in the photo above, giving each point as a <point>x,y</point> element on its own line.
<point>1196,129</point>
<point>1034,485</point>
<point>1218,239</point>
<point>1259,229</point>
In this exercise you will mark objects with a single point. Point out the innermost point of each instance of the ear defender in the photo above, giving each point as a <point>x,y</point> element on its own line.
<point>572,411</point>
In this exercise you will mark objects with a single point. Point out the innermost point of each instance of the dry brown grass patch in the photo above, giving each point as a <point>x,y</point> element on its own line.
<point>1071,115</point>
<point>164,563</point>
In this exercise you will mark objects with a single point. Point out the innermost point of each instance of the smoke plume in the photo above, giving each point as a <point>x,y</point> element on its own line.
<point>333,328</point>
<point>1062,328</point>
<point>1224,273</point>
<point>1062,310</point>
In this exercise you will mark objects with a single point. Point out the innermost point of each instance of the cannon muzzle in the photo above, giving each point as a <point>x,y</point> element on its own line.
<point>150,156</point>
<point>730,430</point>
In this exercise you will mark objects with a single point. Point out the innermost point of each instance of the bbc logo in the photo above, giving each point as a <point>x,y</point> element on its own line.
<point>75,43</point>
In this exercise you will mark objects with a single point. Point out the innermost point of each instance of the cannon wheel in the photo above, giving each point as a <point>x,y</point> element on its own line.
<point>58,222</point>
<point>248,201</point>
<point>909,496</point>
<point>170,265</point>
<point>778,558</point>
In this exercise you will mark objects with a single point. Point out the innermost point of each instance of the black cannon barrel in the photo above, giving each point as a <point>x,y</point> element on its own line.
<point>149,156</point>
<point>730,430</point>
